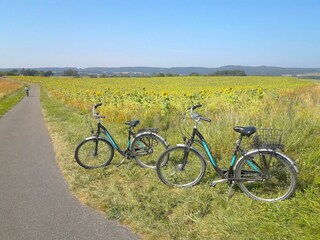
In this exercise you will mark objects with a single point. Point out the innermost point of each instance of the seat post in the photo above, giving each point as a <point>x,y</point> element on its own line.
<point>129,131</point>
<point>239,141</point>
<point>129,138</point>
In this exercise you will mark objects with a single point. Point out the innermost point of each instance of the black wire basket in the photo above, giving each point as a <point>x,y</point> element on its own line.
<point>269,138</point>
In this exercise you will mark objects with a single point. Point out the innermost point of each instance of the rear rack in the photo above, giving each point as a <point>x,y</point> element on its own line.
<point>153,130</point>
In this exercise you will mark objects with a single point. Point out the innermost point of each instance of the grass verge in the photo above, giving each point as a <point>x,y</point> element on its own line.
<point>9,101</point>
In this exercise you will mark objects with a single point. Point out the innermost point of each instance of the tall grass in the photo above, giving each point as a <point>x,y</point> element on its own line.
<point>136,197</point>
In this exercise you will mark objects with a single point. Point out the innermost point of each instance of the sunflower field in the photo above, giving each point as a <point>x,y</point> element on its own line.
<point>135,197</point>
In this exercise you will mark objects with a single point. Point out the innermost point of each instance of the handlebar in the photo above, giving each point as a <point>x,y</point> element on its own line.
<point>97,105</point>
<point>96,114</point>
<point>195,106</point>
<point>205,119</point>
<point>196,116</point>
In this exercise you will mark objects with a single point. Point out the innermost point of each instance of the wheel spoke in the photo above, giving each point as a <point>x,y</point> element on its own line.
<point>94,153</point>
<point>147,148</point>
<point>179,171</point>
<point>276,181</point>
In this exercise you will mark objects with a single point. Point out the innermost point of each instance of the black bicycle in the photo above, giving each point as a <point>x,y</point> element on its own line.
<point>97,151</point>
<point>263,173</point>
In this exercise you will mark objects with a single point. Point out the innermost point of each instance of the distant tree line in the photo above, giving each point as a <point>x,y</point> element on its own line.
<point>217,73</point>
<point>75,73</point>
<point>33,72</point>
<point>229,73</point>
<point>160,74</point>
<point>27,72</point>
<point>71,73</point>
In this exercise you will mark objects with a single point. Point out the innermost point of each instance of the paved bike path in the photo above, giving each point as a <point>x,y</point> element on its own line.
<point>35,202</point>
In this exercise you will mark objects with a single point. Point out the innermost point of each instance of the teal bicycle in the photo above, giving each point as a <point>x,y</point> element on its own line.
<point>263,173</point>
<point>97,151</point>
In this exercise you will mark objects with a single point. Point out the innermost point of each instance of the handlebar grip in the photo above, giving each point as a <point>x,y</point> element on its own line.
<point>97,105</point>
<point>205,119</point>
<point>102,116</point>
<point>195,106</point>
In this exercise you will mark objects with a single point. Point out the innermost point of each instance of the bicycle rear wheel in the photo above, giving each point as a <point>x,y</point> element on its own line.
<point>181,166</point>
<point>146,149</point>
<point>266,176</point>
<point>94,153</point>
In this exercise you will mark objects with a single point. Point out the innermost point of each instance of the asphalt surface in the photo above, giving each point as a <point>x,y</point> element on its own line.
<point>35,202</point>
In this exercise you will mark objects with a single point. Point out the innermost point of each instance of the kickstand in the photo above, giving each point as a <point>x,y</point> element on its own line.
<point>129,163</point>
<point>230,192</point>
<point>122,161</point>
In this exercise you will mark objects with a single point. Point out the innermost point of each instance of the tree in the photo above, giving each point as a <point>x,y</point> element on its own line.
<point>229,73</point>
<point>13,72</point>
<point>45,73</point>
<point>160,74</point>
<point>28,72</point>
<point>194,74</point>
<point>169,75</point>
<point>70,73</point>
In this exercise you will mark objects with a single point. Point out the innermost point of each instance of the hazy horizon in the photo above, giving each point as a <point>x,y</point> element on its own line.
<point>242,66</point>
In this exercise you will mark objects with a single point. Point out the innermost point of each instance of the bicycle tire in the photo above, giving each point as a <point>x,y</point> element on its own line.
<point>94,153</point>
<point>267,176</point>
<point>146,149</point>
<point>181,166</point>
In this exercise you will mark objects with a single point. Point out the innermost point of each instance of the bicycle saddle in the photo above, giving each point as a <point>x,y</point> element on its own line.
<point>245,131</point>
<point>133,123</point>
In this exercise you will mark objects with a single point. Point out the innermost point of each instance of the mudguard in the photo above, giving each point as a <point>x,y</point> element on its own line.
<point>154,134</point>
<point>269,150</point>
<point>95,137</point>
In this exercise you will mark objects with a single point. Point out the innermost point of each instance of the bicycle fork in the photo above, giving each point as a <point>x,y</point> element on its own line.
<point>184,161</point>
<point>95,153</point>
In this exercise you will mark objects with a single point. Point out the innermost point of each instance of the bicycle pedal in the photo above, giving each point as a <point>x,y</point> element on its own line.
<point>214,183</point>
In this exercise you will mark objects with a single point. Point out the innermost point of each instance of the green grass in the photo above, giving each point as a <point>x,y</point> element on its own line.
<point>135,197</point>
<point>9,101</point>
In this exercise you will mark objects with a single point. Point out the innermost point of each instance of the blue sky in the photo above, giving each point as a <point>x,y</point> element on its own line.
<point>159,33</point>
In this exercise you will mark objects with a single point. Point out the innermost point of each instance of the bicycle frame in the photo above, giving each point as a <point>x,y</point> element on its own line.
<point>230,177</point>
<point>113,142</point>
<point>220,171</point>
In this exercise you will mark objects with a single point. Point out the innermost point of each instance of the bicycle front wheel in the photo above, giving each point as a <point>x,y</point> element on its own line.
<point>146,149</point>
<point>94,153</point>
<point>266,176</point>
<point>181,166</point>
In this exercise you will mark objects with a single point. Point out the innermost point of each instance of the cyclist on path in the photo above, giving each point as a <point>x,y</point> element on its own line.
<point>27,90</point>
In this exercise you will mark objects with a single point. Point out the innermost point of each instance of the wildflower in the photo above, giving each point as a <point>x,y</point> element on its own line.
<point>165,94</point>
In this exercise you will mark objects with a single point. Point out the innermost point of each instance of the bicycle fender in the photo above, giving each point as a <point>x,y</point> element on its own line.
<point>95,137</point>
<point>91,137</point>
<point>154,134</point>
<point>269,150</point>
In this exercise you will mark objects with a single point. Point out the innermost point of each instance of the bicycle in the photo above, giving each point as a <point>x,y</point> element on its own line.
<point>263,173</point>
<point>97,151</point>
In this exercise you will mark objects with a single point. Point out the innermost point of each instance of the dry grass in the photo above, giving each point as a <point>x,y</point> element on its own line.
<point>8,86</point>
